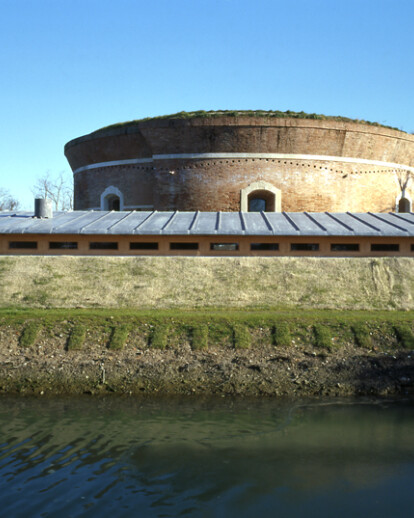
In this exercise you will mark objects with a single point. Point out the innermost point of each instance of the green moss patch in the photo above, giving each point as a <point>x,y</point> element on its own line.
<point>76,338</point>
<point>159,336</point>
<point>281,335</point>
<point>29,334</point>
<point>241,337</point>
<point>362,335</point>
<point>405,336</point>
<point>322,336</point>
<point>199,338</point>
<point>119,337</point>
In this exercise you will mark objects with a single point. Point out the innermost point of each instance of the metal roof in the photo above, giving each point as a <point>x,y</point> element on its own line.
<point>211,223</point>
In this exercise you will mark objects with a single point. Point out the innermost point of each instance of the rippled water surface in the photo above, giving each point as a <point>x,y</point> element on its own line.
<point>122,457</point>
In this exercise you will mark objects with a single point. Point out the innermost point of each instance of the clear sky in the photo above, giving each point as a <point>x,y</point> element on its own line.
<point>69,67</point>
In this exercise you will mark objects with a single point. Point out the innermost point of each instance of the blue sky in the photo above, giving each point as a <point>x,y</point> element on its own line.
<point>70,67</point>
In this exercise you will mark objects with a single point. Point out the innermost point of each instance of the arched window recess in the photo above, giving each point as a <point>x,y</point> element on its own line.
<point>112,199</point>
<point>260,197</point>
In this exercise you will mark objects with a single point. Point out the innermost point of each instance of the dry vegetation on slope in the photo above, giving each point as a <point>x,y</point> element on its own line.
<point>242,113</point>
<point>187,282</point>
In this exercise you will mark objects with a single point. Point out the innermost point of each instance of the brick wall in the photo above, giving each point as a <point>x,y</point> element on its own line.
<point>134,181</point>
<point>305,185</point>
<point>211,185</point>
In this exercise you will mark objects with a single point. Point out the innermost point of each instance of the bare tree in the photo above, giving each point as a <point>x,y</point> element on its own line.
<point>57,188</point>
<point>403,178</point>
<point>7,201</point>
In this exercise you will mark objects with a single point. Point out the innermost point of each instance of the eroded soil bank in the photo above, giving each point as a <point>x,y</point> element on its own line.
<point>265,372</point>
<point>260,354</point>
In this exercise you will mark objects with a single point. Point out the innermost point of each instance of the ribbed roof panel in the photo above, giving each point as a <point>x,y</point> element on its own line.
<point>214,223</point>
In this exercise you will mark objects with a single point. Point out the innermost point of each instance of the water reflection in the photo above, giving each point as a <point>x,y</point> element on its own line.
<point>211,458</point>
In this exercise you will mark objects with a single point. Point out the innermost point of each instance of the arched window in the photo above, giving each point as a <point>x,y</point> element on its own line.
<point>261,201</point>
<point>113,202</point>
<point>257,204</point>
<point>112,199</point>
<point>404,205</point>
<point>260,197</point>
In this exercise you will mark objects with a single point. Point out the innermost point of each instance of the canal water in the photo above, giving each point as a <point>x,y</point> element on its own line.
<point>211,458</point>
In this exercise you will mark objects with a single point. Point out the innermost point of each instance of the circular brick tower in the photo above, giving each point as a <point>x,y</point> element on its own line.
<point>219,161</point>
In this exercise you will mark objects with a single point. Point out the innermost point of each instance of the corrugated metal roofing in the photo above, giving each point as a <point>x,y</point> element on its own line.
<point>211,223</point>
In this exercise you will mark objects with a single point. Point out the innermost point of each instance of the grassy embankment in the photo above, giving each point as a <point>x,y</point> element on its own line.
<point>234,302</point>
<point>207,282</point>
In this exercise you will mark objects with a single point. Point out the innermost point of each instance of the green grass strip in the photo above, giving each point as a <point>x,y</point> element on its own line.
<point>281,335</point>
<point>76,338</point>
<point>405,336</point>
<point>119,337</point>
<point>199,339</point>
<point>159,336</point>
<point>362,336</point>
<point>212,316</point>
<point>220,333</point>
<point>241,336</point>
<point>29,334</point>
<point>323,338</point>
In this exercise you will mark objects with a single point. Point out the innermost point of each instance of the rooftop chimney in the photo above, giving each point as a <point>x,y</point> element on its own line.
<point>43,208</point>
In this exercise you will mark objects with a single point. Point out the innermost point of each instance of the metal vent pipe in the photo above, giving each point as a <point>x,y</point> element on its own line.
<point>43,208</point>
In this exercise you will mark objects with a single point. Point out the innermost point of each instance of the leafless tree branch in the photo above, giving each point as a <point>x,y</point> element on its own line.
<point>7,201</point>
<point>56,188</point>
<point>403,178</point>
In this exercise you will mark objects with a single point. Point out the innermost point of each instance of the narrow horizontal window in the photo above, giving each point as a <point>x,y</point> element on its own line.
<point>224,247</point>
<point>63,245</point>
<point>183,246</point>
<point>306,247</point>
<point>383,247</point>
<point>23,244</point>
<point>345,247</point>
<point>143,246</point>
<point>264,246</point>
<point>103,245</point>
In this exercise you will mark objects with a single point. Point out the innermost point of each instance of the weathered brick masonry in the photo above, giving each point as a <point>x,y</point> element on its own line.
<point>314,186</point>
<point>134,181</point>
<point>204,163</point>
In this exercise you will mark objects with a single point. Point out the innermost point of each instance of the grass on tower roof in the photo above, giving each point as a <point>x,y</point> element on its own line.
<point>243,113</point>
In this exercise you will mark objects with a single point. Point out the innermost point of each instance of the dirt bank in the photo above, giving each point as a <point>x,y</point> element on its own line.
<point>267,372</point>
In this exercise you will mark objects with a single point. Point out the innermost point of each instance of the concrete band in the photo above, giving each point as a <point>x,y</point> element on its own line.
<point>232,156</point>
<point>128,161</point>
